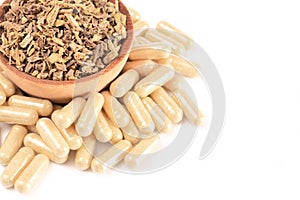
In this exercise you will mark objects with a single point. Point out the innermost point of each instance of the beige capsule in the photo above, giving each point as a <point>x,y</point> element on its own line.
<point>12,143</point>
<point>151,51</point>
<point>119,87</point>
<point>158,77</point>
<point>117,134</point>
<point>69,113</point>
<point>16,115</point>
<point>164,61</point>
<point>32,173</point>
<point>52,137</point>
<point>135,15</point>
<point>169,106</point>
<point>131,133</point>
<point>143,67</point>
<point>7,85</point>
<point>16,166</point>
<point>139,113</point>
<point>182,66</point>
<point>42,106</point>
<point>70,134</point>
<point>174,33</point>
<point>2,96</point>
<point>140,40</point>
<point>114,110</point>
<point>140,25</point>
<point>111,157</point>
<point>160,119</point>
<point>35,142</point>
<point>102,131</point>
<point>88,117</point>
<point>189,107</point>
<point>84,154</point>
<point>177,83</point>
<point>139,153</point>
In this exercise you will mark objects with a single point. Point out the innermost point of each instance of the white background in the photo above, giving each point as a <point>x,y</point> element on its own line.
<point>255,46</point>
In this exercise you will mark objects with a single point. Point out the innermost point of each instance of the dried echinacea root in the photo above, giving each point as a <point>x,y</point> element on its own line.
<point>61,40</point>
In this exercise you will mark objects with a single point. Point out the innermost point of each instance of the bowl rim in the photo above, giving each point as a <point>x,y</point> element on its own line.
<point>125,49</point>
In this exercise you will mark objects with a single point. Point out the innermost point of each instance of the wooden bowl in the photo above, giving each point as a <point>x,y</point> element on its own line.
<point>64,91</point>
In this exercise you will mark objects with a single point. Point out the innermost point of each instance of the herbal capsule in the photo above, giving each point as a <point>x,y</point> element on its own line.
<point>114,110</point>
<point>140,40</point>
<point>88,117</point>
<point>140,25</point>
<point>32,173</point>
<point>139,113</point>
<point>151,51</point>
<point>164,61</point>
<point>111,157</point>
<point>16,115</point>
<point>139,153</point>
<point>12,143</point>
<point>160,119</point>
<point>7,85</point>
<point>16,166</point>
<point>123,83</point>
<point>143,67</point>
<point>2,96</point>
<point>42,106</point>
<point>183,66</point>
<point>174,33</point>
<point>52,137</point>
<point>177,83</point>
<point>84,154</point>
<point>190,109</point>
<point>155,36</point>
<point>117,134</point>
<point>71,136</point>
<point>169,106</point>
<point>135,15</point>
<point>69,113</point>
<point>131,133</point>
<point>102,131</point>
<point>158,77</point>
<point>35,142</point>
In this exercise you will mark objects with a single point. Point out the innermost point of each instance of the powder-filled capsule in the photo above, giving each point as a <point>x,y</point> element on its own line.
<point>102,131</point>
<point>111,157</point>
<point>169,106</point>
<point>88,117</point>
<point>2,96</point>
<point>32,173</point>
<point>131,133</point>
<point>140,25</point>
<point>52,137</point>
<point>135,15</point>
<point>16,166</point>
<point>16,115</point>
<point>12,143</point>
<point>43,107</point>
<point>143,67</point>
<point>117,134</point>
<point>151,51</point>
<point>7,85</point>
<point>84,154</point>
<point>182,66</point>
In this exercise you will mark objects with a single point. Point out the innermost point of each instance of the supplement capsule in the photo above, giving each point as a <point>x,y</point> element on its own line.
<point>84,154</point>
<point>102,131</point>
<point>2,96</point>
<point>160,119</point>
<point>69,113</point>
<point>135,15</point>
<point>140,25</point>
<point>174,33</point>
<point>143,67</point>
<point>164,61</point>
<point>117,134</point>
<point>32,173</point>
<point>124,83</point>
<point>114,110</point>
<point>168,105</point>
<point>7,85</point>
<point>16,115</point>
<point>42,106</point>
<point>177,83</point>
<point>16,166</point>
<point>139,113</point>
<point>111,157</point>
<point>190,109</point>
<point>12,143</point>
<point>131,133</point>
<point>35,142</point>
<point>52,137</point>
<point>140,40</point>
<point>158,77</point>
<point>139,153</point>
<point>183,66</point>
<point>151,51</point>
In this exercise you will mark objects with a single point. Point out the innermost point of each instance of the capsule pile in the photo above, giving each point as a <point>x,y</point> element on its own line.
<point>142,102</point>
